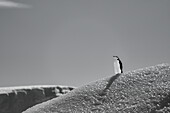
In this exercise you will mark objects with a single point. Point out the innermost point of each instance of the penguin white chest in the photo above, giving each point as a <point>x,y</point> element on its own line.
<point>116,67</point>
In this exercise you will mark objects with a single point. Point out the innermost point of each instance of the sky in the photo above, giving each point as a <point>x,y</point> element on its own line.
<point>71,42</point>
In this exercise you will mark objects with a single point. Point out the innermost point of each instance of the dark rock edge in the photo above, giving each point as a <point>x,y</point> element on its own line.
<point>18,99</point>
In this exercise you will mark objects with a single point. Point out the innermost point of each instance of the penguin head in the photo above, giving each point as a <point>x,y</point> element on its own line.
<point>115,57</point>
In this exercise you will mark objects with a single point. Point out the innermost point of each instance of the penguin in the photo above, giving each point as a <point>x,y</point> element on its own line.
<point>117,71</point>
<point>117,65</point>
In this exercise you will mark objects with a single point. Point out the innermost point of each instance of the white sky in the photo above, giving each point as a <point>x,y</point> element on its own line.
<point>11,4</point>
